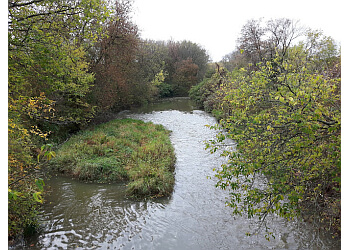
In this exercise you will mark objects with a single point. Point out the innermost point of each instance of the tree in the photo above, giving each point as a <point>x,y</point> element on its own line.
<point>48,81</point>
<point>114,60</point>
<point>282,32</point>
<point>182,54</point>
<point>151,64</point>
<point>198,55</point>
<point>284,117</point>
<point>251,41</point>
<point>170,58</point>
<point>259,43</point>
<point>186,76</point>
<point>286,127</point>
<point>234,60</point>
<point>46,52</point>
<point>323,51</point>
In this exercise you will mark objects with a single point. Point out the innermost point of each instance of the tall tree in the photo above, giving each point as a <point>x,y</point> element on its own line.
<point>251,41</point>
<point>181,53</point>
<point>284,116</point>
<point>114,60</point>
<point>47,53</point>
<point>48,80</point>
<point>261,42</point>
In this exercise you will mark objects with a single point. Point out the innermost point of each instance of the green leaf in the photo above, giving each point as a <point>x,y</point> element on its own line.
<point>37,197</point>
<point>40,184</point>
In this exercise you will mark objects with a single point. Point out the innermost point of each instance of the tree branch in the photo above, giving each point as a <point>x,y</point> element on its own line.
<point>14,5</point>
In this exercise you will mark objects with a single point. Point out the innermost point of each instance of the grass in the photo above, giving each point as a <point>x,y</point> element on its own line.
<point>121,150</point>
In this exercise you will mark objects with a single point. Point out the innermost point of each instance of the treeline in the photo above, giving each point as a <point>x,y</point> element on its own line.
<point>150,70</point>
<point>67,62</point>
<point>279,100</point>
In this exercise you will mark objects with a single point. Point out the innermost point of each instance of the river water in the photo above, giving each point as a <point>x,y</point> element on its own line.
<point>81,215</point>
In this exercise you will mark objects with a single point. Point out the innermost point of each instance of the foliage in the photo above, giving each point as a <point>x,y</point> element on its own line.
<point>204,93</point>
<point>259,42</point>
<point>284,117</point>
<point>182,63</point>
<point>117,84</point>
<point>151,59</point>
<point>186,65</point>
<point>291,135</point>
<point>46,54</point>
<point>24,187</point>
<point>121,150</point>
<point>207,93</point>
<point>187,50</point>
<point>48,81</point>
<point>185,76</point>
<point>163,89</point>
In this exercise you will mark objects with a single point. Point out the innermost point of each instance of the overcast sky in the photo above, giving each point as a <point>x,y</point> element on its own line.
<point>216,24</point>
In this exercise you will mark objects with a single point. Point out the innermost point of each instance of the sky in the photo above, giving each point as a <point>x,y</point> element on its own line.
<point>216,25</point>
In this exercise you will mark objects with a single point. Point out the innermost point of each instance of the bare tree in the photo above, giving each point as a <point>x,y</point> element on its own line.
<point>259,43</point>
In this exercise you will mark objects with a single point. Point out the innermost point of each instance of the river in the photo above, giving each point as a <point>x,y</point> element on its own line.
<point>80,215</point>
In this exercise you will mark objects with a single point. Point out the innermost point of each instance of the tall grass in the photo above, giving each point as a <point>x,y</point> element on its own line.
<point>121,150</point>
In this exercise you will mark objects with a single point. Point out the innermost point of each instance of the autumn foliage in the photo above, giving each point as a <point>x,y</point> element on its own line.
<point>283,112</point>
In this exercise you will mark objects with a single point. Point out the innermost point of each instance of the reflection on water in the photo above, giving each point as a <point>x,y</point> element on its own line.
<point>95,216</point>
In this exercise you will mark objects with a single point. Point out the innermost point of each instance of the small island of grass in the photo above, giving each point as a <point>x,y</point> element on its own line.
<point>121,150</point>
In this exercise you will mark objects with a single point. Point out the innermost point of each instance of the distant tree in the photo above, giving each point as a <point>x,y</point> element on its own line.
<point>281,33</point>
<point>183,54</point>
<point>186,76</point>
<point>151,66</point>
<point>151,58</point>
<point>251,41</point>
<point>114,59</point>
<point>323,51</point>
<point>199,56</point>
<point>260,43</point>
<point>234,60</point>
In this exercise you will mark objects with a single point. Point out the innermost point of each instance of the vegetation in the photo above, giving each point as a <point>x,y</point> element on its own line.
<point>69,61</point>
<point>182,65</point>
<point>121,150</point>
<point>282,110</point>
<point>48,81</point>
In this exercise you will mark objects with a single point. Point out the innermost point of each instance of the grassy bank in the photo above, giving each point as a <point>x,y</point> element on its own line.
<point>121,150</point>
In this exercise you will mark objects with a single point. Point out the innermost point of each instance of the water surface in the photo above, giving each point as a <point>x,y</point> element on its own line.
<point>99,216</point>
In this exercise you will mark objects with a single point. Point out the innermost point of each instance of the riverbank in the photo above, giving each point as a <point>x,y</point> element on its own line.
<point>121,150</point>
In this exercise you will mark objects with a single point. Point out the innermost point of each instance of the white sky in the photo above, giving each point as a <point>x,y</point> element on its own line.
<point>215,25</point>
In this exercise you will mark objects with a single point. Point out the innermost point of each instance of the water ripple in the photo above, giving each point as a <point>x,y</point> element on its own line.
<point>94,216</point>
